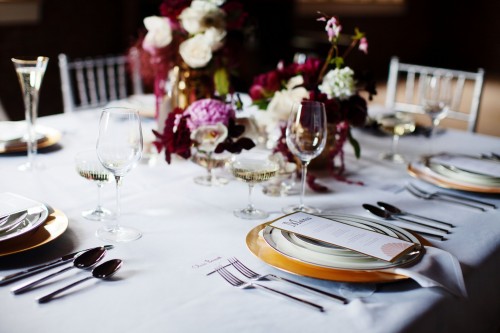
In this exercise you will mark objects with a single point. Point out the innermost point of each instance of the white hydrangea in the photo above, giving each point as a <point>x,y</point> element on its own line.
<point>338,83</point>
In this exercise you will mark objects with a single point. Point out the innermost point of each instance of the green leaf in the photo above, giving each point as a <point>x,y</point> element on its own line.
<point>261,103</point>
<point>339,62</point>
<point>221,81</point>
<point>358,34</point>
<point>355,144</point>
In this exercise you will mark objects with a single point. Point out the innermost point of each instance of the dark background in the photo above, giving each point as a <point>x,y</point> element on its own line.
<point>453,34</point>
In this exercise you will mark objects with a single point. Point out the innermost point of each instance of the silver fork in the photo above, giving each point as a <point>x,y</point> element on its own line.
<point>240,267</point>
<point>435,196</point>
<point>236,282</point>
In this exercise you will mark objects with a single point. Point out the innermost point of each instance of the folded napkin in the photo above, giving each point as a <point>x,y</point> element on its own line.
<point>469,163</point>
<point>12,130</point>
<point>437,268</point>
<point>11,203</point>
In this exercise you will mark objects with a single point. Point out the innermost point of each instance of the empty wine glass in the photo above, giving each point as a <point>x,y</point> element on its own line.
<point>30,71</point>
<point>437,98</point>
<point>89,167</point>
<point>253,170</point>
<point>396,124</point>
<point>306,134</point>
<point>119,149</point>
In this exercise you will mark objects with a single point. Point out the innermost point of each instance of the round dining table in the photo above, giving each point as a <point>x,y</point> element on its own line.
<point>164,283</point>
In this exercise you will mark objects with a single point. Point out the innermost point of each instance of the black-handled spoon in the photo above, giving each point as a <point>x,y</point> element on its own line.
<point>85,260</point>
<point>388,216</point>
<point>103,271</point>
<point>395,210</point>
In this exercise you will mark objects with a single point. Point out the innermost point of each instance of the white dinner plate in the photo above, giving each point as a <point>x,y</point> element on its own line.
<point>311,255</point>
<point>36,216</point>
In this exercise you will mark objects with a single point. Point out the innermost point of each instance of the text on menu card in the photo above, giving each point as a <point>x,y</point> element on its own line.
<point>337,233</point>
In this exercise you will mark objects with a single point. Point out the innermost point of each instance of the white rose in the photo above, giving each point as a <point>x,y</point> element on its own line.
<point>282,101</point>
<point>195,51</point>
<point>193,18</point>
<point>214,37</point>
<point>159,32</point>
<point>209,136</point>
<point>338,83</point>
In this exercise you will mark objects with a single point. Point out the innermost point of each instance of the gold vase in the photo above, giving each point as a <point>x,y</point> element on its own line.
<point>191,85</point>
<point>321,162</point>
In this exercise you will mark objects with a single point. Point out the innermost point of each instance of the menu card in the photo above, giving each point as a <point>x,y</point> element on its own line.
<point>469,163</point>
<point>337,233</point>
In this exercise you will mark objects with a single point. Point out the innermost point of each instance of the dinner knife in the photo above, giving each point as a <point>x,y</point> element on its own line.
<point>41,268</point>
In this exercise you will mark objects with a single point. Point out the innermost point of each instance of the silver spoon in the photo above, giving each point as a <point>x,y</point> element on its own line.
<point>85,260</point>
<point>396,211</point>
<point>388,216</point>
<point>103,271</point>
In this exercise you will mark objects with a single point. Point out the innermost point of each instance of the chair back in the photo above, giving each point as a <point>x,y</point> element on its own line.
<point>94,82</point>
<point>405,88</point>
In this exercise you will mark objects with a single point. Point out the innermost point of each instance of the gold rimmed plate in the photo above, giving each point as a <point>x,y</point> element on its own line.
<point>262,250</point>
<point>53,227</point>
<point>46,137</point>
<point>420,171</point>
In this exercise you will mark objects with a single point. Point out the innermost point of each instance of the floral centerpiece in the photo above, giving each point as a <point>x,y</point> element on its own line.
<point>207,125</point>
<point>194,36</point>
<point>330,81</point>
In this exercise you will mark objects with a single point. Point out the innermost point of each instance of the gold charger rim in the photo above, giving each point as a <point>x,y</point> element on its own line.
<point>53,227</point>
<point>420,174</point>
<point>259,247</point>
<point>51,137</point>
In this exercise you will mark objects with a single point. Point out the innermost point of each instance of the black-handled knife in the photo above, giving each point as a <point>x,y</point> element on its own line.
<point>41,268</point>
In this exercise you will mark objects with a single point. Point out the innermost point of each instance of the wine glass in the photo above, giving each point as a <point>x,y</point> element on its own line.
<point>437,98</point>
<point>119,149</point>
<point>253,170</point>
<point>89,167</point>
<point>396,124</point>
<point>30,71</point>
<point>306,134</point>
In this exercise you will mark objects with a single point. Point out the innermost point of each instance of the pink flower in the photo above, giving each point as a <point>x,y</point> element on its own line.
<point>333,28</point>
<point>208,112</point>
<point>363,45</point>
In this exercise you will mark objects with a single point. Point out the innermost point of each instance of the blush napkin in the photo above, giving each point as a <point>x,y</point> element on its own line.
<point>437,268</point>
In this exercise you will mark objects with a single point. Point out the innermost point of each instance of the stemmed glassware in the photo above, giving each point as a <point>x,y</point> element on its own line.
<point>119,149</point>
<point>437,98</point>
<point>395,124</point>
<point>306,134</point>
<point>89,167</point>
<point>30,72</point>
<point>253,170</point>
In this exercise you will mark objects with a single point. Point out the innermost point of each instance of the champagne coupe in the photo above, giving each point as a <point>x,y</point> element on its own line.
<point>210,162</point>
<point>89,167</point>
<point>306,134</point>
<point>396,124</point>
<point>253,170</point>
<point>437,98</point>
<point>119,149</point>
<point>30,73</point>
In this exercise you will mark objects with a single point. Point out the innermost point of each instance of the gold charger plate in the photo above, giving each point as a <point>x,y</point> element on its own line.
<point>50,137</point>
<point>266,253</point>
<point>439,181</point>
<point>53,227</point>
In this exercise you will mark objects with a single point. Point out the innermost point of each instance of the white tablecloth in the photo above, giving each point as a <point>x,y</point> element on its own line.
<point>161,287</point>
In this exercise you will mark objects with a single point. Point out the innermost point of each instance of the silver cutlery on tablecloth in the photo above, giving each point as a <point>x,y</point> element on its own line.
<point>236,282</point>
<point>446,197</point>
<point>247,272</point>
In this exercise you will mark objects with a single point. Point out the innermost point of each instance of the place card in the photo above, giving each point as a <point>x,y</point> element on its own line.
<point>469,163</point>
<point>337,233</point>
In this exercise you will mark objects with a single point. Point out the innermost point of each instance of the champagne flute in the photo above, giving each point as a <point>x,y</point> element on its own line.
<point>253,170</point>
<point>89,167</point>
<point>119,149</point>
<point>30,73</point>
<point>437,98</point>
<point>396,124</point>
<point>306,134</point>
